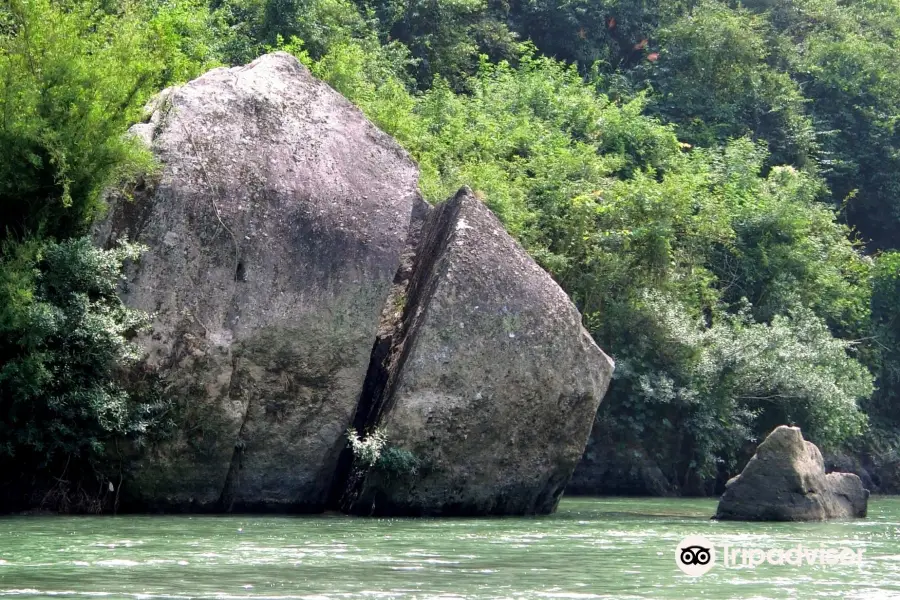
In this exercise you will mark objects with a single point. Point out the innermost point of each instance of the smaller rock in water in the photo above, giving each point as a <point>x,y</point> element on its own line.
<point>786,481</point>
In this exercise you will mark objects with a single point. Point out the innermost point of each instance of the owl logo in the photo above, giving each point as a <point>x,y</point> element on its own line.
<point>695,555</point>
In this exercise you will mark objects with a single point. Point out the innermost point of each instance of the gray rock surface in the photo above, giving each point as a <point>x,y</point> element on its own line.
<point>786,481</point>
<point>490,383</point>
<point>275,226</point>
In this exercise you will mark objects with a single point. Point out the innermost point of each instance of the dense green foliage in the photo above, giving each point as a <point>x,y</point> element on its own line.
<point>815,79</point>
<point>886,326</point>
<point>62,338</point>
<point>73,76</point>
<point>711,183</point>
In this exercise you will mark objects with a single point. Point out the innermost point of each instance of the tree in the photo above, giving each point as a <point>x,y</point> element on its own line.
<point>715,79</point>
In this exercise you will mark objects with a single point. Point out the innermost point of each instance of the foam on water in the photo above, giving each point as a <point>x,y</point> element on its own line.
<point>592,548</point>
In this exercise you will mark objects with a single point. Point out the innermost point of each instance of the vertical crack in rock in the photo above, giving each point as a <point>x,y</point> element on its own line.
<point>233,477</point>
<point>485,384</point>
<point>430,232</point>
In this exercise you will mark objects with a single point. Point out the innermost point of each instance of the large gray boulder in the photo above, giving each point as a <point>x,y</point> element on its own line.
<point>300,286</point>
<point>488,385</point>
<point>275,228</point>
<point>786,481</point>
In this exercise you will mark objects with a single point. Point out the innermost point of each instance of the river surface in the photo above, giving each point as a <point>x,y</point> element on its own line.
<point>591,548</point>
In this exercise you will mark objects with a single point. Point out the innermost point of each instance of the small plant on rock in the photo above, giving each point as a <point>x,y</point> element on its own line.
<point>398,462</point>
<point>366,452</point>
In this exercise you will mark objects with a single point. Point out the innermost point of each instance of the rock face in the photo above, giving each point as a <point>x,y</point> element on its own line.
<point>300,286</point>
<point>879,473</point>
<point>491,383</point>
<point>786,481</point>
<point>606,469</point>
<point>275,230</point>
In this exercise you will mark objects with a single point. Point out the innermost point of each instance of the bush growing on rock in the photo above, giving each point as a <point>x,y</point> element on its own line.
<point>398,462</point>
<point>366,450</point>
<point>374,451</point>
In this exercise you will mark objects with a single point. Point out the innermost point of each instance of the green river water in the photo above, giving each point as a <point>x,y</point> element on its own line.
<point>591,548</point>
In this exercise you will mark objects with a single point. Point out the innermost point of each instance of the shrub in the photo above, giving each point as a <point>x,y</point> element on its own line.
<point>63,337</point>
<point>366,452</point>
<point>398,462</point>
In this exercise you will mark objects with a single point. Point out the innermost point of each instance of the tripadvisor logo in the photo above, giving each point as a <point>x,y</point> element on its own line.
<point>696,555</point>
